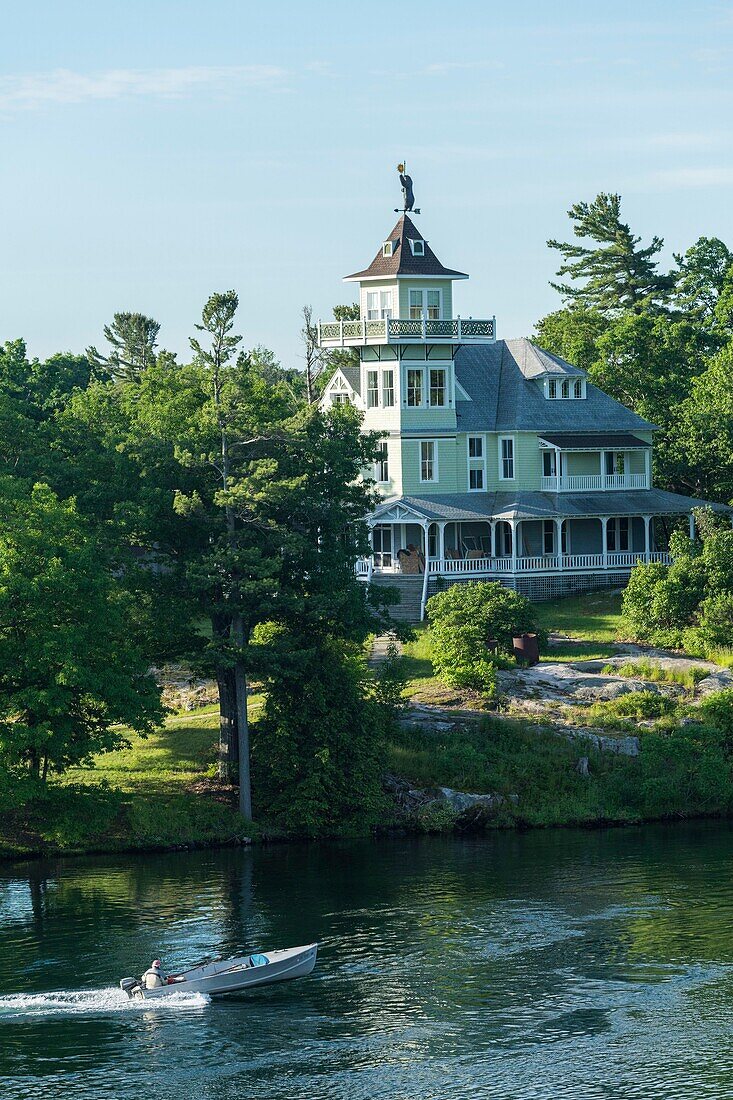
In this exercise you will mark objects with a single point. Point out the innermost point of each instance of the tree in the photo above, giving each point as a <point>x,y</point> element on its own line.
<point>700,277</point>
<point>703,442</point>
<point>463,619</point>
<point>70,667</point>
<point>617,273</point>
<point>133,338</point>
<point>572,334</point>
<point>315,361</point>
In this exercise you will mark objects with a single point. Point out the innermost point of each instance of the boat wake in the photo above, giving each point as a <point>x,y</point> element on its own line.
<point>91,1001</point>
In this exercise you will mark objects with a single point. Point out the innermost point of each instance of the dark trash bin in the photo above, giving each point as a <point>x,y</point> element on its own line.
<point>492,644</point>
<point>526,648</point>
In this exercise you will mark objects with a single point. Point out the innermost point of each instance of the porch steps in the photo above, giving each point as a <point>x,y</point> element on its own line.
<point>409,587</point>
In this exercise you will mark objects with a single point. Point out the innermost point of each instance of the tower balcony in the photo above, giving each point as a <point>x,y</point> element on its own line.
<point>395,330</point>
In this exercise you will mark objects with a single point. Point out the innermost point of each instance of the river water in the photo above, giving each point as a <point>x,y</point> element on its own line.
<point>537,965</point>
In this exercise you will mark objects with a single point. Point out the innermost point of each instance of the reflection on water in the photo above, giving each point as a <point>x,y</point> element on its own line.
<point>530,966</point>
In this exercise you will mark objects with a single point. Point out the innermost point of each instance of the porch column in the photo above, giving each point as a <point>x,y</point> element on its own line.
<point>426,572</point>
<point>604,537</point>
<point>603,472</point>
<point>558,464</point>
<point>441,541</point>
<point>692,525</point>
<point>403,536</point>
<point>514,525</point>
<point>558,540</point>
<point>648,468</point>
<point>647,541</point>
<point>492,525</point>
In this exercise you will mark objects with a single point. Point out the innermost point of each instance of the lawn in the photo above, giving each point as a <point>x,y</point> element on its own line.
<point>593,617</point>
<point>158,792</point>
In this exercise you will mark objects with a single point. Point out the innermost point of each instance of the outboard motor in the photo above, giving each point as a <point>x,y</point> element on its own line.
<point>129,985</point>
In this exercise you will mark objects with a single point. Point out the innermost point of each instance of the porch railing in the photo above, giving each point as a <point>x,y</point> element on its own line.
<point>593,483</point>
<point>549,563</point>
<point>455,330</point>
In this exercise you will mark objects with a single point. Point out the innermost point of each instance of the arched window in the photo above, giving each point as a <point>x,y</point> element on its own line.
<point>578,389</point>
<point>566,388</point>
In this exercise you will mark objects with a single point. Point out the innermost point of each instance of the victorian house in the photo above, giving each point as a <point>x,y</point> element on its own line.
<point>499,460</point>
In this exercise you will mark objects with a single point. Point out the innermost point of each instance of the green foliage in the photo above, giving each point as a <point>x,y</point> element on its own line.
<point>462,620</point>
<point>318,748</point>
<point>635,704</point>
<point>659,600</point>
<point>390,678</point>
<point>70,665</point>
<point>617,273</point>
<point>647,670</point>
<point>133,338</point>
<point>717,710</point>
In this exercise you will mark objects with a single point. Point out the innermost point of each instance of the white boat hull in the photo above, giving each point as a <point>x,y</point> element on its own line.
<point>233,975</point>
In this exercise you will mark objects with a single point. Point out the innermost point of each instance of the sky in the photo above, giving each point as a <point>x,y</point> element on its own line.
<point>155,151</point>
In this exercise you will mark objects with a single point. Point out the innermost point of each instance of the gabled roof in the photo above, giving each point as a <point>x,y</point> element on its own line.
<point>402,261</point>
<point>505,396</point>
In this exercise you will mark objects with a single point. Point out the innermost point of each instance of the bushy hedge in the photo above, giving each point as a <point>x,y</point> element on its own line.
<point>688,603</point>
<point>462,620</point>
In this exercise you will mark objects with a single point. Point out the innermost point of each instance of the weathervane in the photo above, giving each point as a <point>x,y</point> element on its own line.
<point>408,198</point>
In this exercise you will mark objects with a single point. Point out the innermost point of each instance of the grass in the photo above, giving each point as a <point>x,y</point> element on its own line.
<point>158,792</point>
<point>593,617</point>
<point>681,772</point>
<point>722,655</point>
<point>647,670</point>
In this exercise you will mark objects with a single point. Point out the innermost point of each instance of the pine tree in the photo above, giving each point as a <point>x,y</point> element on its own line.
<point>133,338</point>
<point>618,274</point>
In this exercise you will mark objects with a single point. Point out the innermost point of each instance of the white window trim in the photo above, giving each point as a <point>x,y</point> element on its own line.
<point>475,463</point>
<point>568,382</point>
<point>446,386</point>
<point>383,387</point>
<point>416,242</point>
<point>423,394</point>
<point>501,459</point>
<point>436,471</point>
<point>378,463</point>
<point>424,291</point>
<point>387,249</point>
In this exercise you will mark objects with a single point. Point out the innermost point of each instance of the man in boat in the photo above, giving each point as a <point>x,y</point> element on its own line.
<point>153,977</point>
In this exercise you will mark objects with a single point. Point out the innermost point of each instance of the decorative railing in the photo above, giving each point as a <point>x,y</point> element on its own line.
<point>547,563</point>
<point>397,329</point>
<point>593,483</point>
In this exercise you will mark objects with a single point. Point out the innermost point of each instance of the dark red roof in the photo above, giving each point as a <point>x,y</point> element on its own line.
<point>402,261</point>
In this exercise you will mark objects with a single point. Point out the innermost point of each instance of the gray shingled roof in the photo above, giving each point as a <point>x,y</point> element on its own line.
<point>353,377</point>
<point>501,380</point>
<point>534,505</point>
<point>402,261</point>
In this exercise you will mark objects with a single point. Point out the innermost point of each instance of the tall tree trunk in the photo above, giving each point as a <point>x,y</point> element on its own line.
<point>240,679</point>
<point>228,739</point>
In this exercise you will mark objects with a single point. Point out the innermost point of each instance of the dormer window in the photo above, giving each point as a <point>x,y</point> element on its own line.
<point>564,389</point>
<point>418,247</point>
<point>387,249</point>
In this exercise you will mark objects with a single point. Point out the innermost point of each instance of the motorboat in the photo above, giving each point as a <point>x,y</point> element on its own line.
<point>231,975</point>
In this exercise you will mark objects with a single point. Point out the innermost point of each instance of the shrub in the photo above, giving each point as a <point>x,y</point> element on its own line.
<point>462,620</point>
<point>660,601</point>
<point>717,710</point>
<point>714,624</point>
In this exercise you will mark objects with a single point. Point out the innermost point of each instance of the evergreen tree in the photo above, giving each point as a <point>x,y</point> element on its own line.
<point>616,273</point>
<point>133,338</point>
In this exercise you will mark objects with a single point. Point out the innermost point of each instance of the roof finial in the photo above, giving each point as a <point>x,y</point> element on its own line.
<point>407,196</point>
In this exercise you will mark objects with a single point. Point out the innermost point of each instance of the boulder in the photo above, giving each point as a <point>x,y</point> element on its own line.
<point>716,681</point>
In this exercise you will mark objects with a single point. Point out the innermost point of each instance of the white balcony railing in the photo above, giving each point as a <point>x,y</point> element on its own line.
<point>593,483</point>
<point>395,330</point>
<point>549,563</point>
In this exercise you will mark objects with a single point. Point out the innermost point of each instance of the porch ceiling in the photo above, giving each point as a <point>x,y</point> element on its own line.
<point>468,507</point>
